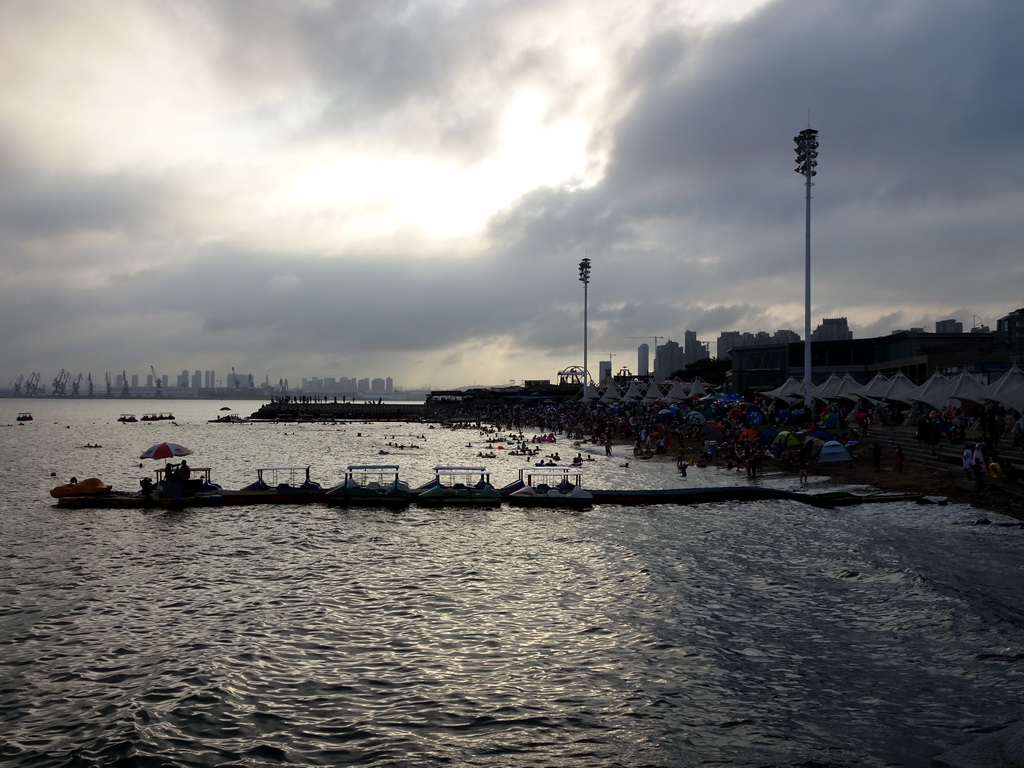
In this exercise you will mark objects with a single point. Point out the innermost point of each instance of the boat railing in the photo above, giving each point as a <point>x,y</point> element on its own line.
<point>462,477</point>
<point>275,477</point>
<point>195,473</point>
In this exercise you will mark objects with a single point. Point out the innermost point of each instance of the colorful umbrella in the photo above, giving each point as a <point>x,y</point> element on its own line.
<point>165,451</point>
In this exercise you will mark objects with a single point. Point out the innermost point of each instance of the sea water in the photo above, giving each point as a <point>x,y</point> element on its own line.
<point>767,633</point>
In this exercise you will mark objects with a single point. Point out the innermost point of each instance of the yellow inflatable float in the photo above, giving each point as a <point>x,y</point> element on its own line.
<point>91,486</point>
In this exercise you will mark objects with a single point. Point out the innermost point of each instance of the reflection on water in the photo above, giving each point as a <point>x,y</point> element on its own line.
<point>766,633</point>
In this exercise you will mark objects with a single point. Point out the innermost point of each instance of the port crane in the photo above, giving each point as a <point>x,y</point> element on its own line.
<point>91,394</point>
<point>125,392</point>
<point>234,379</point>
<point>32,384</point>
<point>157,382</point>
<point>17,385</point>
<point>76,385</point>
<point>110,389</point>
<point>60,384</point>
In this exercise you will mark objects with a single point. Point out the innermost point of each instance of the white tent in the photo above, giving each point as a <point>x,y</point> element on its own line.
<point>827,388</point>
<point>699,388</point>
<point>677,391</point>
<point>633,392</point>
<point>653,393</point>
<point>1008,390</point>
<point>897,389</point>
<point>791,388</point>
<point>873,389</point>
<point>965,388</point>
<point>846,389</point>
<point>611,395</point>
<point>590,392</point>
<point>932,392</point>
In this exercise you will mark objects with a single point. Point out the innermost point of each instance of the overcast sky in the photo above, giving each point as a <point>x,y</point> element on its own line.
<point>366,188</point>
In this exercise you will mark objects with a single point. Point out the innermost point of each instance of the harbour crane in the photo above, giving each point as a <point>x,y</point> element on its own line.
<point>110,389</point>
<point>90,385</point>
<point>125,392</point>
<point>76,386</point>
<point>17,385</point>
<point>32,384</point>
<point>156,380</point>
<point>60,383</point>
<point>234,379</point>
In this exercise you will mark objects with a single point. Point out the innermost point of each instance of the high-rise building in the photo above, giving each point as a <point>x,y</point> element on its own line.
<point>643,360</point>
<point>668,359</point>
<point>832,329</point>
<point>949,326</point>
<point>604,371</point>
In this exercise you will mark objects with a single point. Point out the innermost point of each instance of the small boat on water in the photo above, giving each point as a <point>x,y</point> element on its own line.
<point>376,485</point>
<point>230,418</point>
<point>459,486</point>
<point>126,418</point>
<point>551,487</point>
<point>24,416</point>
<point>157,417</point>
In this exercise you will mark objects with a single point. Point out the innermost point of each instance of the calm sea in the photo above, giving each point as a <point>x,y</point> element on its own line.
<point>755,634</point>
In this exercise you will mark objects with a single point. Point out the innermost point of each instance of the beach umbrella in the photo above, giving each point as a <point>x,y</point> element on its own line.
<point>165,451</point>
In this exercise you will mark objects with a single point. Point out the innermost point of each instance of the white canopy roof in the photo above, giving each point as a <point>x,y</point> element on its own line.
<point>897,389</point>
<point>931,393</point>
<point>1008,390</point>
<point>677,391</point>
<point>653,393</point>
<point>633,392</point>
<point>873,388</point>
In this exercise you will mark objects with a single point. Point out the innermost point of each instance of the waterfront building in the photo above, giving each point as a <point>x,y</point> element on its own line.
<point>916,354</point>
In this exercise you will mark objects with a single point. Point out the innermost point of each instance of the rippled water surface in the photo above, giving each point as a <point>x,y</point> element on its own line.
<point>768,633</point>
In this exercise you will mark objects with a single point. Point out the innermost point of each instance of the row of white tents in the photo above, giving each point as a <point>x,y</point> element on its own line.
<point>937,392</point>
<point>677,391</point>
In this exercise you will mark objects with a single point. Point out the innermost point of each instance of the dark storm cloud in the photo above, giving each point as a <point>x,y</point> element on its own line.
<point>695,220</point>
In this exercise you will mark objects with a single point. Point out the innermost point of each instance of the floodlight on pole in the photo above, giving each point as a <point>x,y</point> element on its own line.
<point>806,162</point>
<point>585,279</point>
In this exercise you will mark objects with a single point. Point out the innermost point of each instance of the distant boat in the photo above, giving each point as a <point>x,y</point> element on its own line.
<point>124,418</point>
<point>24,417</point>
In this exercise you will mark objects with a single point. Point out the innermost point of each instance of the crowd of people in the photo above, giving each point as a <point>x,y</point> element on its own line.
<point>727,431</point>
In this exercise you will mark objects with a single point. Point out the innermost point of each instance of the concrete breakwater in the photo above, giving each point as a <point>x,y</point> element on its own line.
<point>293,411</point>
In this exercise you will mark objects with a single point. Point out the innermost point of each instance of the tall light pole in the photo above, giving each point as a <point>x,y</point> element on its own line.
<point>806,162</point>
<point>585,279</point>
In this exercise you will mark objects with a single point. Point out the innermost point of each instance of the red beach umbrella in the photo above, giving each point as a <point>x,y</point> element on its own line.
<point>165,451</point>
